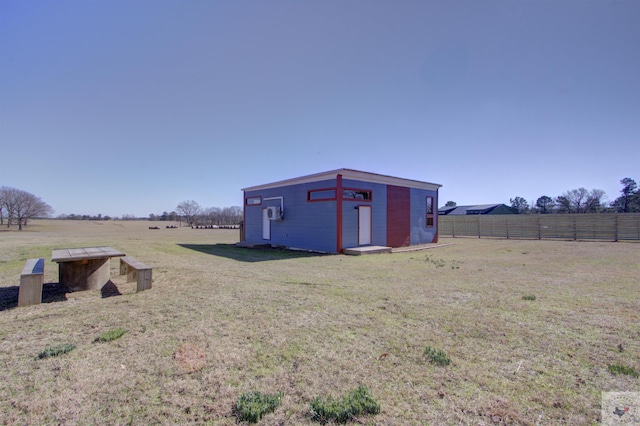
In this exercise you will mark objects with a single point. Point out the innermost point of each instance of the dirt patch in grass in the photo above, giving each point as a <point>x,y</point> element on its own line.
<point>221,321</point>
<point>191,357</point>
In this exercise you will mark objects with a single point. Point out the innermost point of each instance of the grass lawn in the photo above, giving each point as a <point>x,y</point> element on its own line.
<point>221,321</point>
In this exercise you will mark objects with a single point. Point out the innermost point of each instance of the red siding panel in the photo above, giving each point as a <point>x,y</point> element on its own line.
<point>398,216</point>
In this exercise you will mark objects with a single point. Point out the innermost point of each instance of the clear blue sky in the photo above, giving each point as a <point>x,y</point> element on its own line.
<point>130,107</point>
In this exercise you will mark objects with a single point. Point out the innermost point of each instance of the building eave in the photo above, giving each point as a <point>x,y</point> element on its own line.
<point>348,174</point>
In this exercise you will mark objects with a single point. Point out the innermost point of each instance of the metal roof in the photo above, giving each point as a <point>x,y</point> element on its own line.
<point>348,174</point>
<point>460,210</point>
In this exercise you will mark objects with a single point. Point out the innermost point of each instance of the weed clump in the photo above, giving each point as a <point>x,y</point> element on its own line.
<point>623,369</point>
<point>438,263</point>
<point>358,402</point>
<point>252,405</point>
<point>437,356</point>
<point>110,335</point>
<point>529,297</point>
<point>52,351</point>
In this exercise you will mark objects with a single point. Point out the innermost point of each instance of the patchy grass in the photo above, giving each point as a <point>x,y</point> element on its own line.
<point>253,405</point>
<point>191,357</point>
<point>221,320</point>
<point>622,369</point>
<point>110,335</point>
<point>51,351</point>
<point>530,297</point>
<point>437,356</point>
<point>346,408</point>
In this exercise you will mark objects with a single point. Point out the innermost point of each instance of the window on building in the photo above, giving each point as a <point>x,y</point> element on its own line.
<point>321,194</point>
<point>356,194</point>
<point>254,201</point>
<point>429,212</point>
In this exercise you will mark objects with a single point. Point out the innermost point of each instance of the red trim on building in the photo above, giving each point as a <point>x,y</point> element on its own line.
<point>435,217</point>
<point>338,213</point>
<point>398,216</point>
<point>430,218</point>
<point>309,192</point>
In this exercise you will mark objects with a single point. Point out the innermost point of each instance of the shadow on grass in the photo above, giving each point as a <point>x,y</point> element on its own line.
<point>51,292</point>
<point>110,289</point>
<point>231,251</point>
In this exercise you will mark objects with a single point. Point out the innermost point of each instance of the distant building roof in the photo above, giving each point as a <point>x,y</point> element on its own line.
<point>478,209</point>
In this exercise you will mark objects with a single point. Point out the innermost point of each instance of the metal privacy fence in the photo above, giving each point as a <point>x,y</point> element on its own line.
<point>602,227</point>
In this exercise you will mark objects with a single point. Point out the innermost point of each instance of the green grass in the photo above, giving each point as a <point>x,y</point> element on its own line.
<point>622,369</point>
<point>437,356</point>
<point>251,406</point>
<point>529,297</point>
<point>110,335</point>
<point>346,408</point>
<point>52,351</point>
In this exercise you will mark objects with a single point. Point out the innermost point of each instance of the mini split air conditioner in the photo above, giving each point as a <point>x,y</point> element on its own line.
<point>274,213</point>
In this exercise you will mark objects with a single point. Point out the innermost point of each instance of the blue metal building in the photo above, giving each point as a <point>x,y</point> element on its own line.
<point>339,209</point>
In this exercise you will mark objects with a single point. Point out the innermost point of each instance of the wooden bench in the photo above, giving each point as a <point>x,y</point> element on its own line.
<point>136,271</point>
<point>31,280</point>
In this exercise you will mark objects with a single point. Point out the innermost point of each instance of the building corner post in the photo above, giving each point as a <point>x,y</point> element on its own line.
<point>339,213</point>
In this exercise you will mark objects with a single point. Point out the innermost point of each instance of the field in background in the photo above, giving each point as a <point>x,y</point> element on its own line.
<point>221,321</point>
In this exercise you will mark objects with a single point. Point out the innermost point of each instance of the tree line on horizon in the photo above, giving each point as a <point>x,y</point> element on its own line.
<point>195,215</point>
<point>580,200</point>
<point>17,207</point>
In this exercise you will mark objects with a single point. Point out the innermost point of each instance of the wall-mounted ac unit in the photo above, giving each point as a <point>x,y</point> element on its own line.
<point>274,213</point>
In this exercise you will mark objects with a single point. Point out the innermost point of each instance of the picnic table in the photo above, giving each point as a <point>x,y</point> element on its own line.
<point>84,268</point>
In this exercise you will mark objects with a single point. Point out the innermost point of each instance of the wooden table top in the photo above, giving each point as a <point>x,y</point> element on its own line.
<point>82,253</point>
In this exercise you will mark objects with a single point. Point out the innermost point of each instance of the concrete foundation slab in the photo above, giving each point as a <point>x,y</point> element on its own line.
<point>357,251</point>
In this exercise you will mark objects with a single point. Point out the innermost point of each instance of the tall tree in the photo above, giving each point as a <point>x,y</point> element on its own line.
<point>22,206</point>
<point>628,201</point>
<point>450,204</point>
<point>189,210</point>
<point>519,204</point>
<point>545,204</point>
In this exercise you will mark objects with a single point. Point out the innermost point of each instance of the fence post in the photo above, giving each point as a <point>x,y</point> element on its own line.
<point>454,227</point>
<point>479,225</point>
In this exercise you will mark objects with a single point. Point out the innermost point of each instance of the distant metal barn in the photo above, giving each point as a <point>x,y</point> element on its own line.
<point>341,209</point>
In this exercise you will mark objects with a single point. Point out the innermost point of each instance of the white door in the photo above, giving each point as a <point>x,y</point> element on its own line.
<point>266,225</point>
<point>364,225</point>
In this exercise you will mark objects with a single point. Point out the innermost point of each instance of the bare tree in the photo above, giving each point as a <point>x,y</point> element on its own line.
<point>581,200</point>
<point>212,215</point>
<point>22,206</point>
<point>8,197</point>
<point>189,210</point>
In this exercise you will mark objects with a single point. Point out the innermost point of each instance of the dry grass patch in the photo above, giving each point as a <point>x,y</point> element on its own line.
<point>220,321</point>
<point>191,357</point>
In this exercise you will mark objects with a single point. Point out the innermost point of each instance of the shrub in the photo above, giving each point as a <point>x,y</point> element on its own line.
<point>251,406</point>
<point>529,297</point>
<point>110,335</point>
<point>622,369</point>
<point>52,351</point>
<point>344,409</point>
<point>437,356</point>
